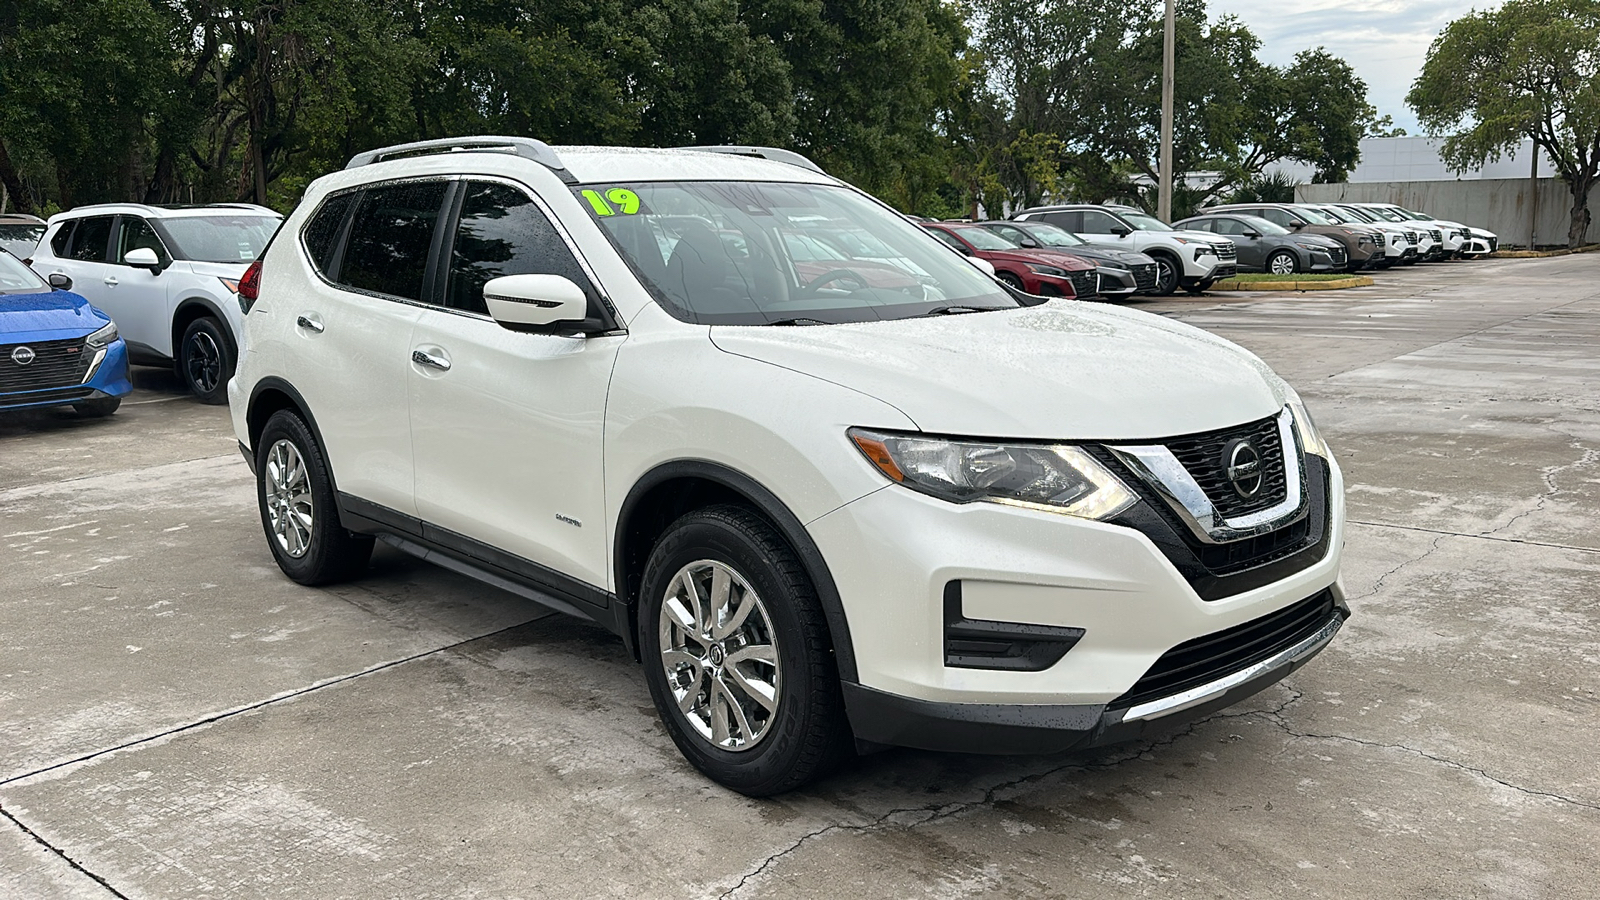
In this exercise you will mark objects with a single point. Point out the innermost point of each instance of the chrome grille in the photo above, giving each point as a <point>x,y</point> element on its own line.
<point>1437,235</point>
<point>1227,251</point>
<point>1085,283</point>
<point>55,364</point>
<point>1202,456</point>
<point>1144,276</point>
<point>1338,255</point>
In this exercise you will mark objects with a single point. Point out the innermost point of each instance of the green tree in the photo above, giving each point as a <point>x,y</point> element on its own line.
<point>1530,69</point>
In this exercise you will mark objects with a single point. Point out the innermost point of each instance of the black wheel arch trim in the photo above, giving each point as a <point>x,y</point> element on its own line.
<point>215,312</point>
<point>274,383</point>
<point>766,503</point>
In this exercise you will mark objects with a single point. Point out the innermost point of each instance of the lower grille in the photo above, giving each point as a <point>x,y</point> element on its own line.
<point>54,364</point>
<point>1084,283</point>
<point>1494,244</point>
<point>1213,656</point>
<point>1144,276</point>
<point>1221,272</point>
<point>1338,255</point>
<point>59,395</point>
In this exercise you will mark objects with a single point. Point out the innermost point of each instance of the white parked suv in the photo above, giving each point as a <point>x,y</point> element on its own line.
<point>878,500</point>
<point>167,276</point>
<point>1192,260</point>
<point>1457,240</point>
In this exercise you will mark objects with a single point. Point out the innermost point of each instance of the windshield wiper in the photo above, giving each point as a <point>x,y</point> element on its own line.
<point>799,320</point>
<point>957,310</point>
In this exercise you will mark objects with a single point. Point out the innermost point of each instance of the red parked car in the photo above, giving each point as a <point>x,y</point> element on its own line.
<point>1042,271</point>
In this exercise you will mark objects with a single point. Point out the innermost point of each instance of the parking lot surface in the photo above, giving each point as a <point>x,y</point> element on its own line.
<point>180,720</point>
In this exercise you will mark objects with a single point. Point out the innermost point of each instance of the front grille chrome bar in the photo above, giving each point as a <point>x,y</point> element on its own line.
<point>1157,467</point>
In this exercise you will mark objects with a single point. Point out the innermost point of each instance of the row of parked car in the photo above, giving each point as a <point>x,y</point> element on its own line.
<point>121,284</point>
<point>1081,250</point>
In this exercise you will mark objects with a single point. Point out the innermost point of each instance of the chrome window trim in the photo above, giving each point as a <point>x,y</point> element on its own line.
<point>1159,468</point>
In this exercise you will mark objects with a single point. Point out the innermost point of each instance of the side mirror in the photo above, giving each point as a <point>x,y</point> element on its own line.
<point>1252,234</point>
<point>547,304</point>
<point>1297,225</point>
<point>1121,231</point>
<point>982,265</point>
<point>1029,243</point>
<point>59,281</point>
<point>143,258</point>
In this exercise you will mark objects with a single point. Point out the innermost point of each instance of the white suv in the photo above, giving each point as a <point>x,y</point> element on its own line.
<point>1192,260</point>
<point>878,500</point>
<point>167,276</point>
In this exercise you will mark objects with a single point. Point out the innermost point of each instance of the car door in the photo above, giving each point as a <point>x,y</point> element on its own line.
<point>1252,250</point>
<point>507,426</point>
<point>86,259</point>
<point>372,248</point>
<point>139,300</point>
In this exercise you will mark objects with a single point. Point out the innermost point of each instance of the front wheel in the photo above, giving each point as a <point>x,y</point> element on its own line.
<point>1167,276</point>
<point>738,656</point>
<point>1011,280</point>
<point>298,511</point>
<point>205,361</point>
<point>1198,285</point>
<point>1283,263</point>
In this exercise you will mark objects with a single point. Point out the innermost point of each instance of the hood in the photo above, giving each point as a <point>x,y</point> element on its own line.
<point>46,317</point>
<point>1115,255</point>
<point>1316,240</point>
<point>1204,237</point>
<point>1063,370</point>
<point>1042,256</point>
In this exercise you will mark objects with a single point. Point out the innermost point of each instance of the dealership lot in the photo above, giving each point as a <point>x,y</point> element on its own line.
<point>181,720</point>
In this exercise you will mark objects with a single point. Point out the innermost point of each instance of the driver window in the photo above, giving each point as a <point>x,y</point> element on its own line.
<point>135,233</point>
<point>503,232</point>
<point>1277,217</point>
<point>1099,223</point>
<point>1229,226</point>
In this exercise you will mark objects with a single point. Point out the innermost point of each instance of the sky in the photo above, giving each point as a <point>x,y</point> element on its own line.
<point>1384,40</point>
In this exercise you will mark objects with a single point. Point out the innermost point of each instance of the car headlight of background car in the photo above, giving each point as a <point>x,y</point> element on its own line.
<point>1053,477</point>
<point>103,337</point>
<point>1047,270</point>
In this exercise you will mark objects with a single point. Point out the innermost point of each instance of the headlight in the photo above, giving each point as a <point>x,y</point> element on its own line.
<point>1051,477</point>
<point>1397,239</point>
<point>1203,249</point>
<point>1048,270</point>
<point>103,337</point>
<point>1306,428</point>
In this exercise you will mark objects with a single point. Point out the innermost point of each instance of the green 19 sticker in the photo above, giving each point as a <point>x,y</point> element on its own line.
<point>624,199</point>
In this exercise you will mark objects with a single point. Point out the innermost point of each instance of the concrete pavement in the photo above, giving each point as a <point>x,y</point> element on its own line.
<point>179,720</point>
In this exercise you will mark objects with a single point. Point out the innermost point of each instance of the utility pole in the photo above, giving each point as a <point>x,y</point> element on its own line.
<point>1533,198</point>
<point>1168,59</point>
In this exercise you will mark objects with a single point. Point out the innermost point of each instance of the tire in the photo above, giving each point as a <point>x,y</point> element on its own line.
<point>1283,262</point>
<point>754,750</point>
<point>298,511</point>
<point>99,408</point>
<point>1011,280</point>
<point>1168,274</point>
<point>1198,285</point>
<point>205,360</point>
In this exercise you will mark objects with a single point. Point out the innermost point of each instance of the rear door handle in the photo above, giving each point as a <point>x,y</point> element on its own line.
<point>309,324</point>
<point>432,360</point>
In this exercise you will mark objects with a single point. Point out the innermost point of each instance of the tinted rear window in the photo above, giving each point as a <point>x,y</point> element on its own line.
<point>93,239</point>
<point>390,237</point>
<point>322,232</point>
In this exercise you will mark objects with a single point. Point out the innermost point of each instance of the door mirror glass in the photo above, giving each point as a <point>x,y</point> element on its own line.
<point>1121,231</point>
<point>60,281</point>
<point>535,302</point>
<point>143,258</point>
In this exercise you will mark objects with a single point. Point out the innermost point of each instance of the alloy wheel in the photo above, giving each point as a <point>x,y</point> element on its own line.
<point>203,361</point>
<point>720,655</point>
<point>289,507</point>
<point>1282,264</point>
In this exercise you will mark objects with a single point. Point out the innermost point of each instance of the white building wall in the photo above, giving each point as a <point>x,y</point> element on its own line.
<point>1417,159</point>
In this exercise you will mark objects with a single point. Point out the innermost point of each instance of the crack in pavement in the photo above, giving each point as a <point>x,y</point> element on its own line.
<point>1378,585</point>
<point>62,854</point>
<point>926,814</point>
<point>260,704</point>
<point>1485,536</point>
<point>1552,489</point>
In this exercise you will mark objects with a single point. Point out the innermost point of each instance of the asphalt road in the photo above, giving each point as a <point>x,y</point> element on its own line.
<point>179,720</point>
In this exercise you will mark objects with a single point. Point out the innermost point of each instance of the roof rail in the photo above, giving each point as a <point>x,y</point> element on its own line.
<point>773,153</point>
<point>527,148</point>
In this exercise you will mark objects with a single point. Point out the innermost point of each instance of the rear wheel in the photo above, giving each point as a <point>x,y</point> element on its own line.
<point>1283,262</point>
<point>738,656</point>
<point>99,408</point>
<point>205,360</point>
<point>298,511</point>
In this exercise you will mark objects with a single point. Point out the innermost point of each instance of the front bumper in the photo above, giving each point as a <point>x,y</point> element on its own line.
<point>1116,601</point>
<point>105,376</point>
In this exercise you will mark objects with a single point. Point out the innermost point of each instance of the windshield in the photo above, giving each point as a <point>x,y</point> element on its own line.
<point>220,239</point>
<point>755,253</point>
<point>1382,213</point>
<point>1420,217</point>
<point>983,238</point>
<point>1358,215</point>
<point>16,278</point>
<point>20,239</point>
<point>1332,216</point>
<point>1144,222</point>
<point>1052,235</point>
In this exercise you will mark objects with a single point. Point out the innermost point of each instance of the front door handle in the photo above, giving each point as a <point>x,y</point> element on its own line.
<point>111,281</point>
<point>309,324</point>
<point>431,360</point>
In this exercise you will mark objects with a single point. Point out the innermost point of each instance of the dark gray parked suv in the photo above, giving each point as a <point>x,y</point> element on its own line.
<point>1265,246</point>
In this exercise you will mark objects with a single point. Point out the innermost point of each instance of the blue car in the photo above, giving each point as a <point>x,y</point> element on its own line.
<point>56,349</point>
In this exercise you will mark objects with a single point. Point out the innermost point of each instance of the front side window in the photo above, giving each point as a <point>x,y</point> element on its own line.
<point>135,233</point>
<point>92,239</point>
<point>949,240</point>
<point>503,232</point>
<point>221,238</point>
<point>719,253</point>
<point>1218,225</point>
<point>1257,224</point>
<point>1100,223</point>
<point>390,238</point>
<point>1277,217</point>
